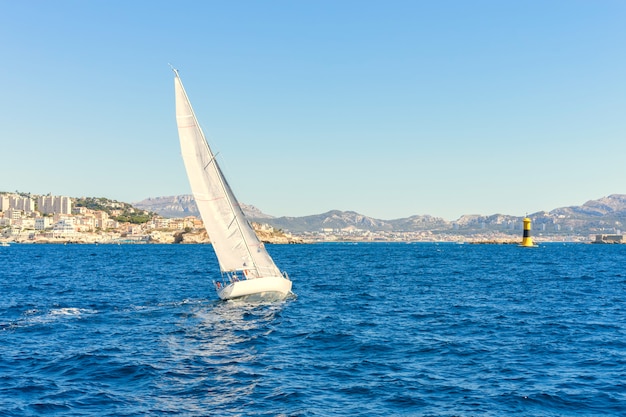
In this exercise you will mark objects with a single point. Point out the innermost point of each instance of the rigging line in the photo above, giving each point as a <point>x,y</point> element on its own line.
<point>213,157</point>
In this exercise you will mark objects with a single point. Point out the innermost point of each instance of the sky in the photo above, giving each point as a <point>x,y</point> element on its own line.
<point>387,108</point>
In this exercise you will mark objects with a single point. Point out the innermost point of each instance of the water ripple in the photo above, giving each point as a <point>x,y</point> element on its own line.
<point>376,329</point>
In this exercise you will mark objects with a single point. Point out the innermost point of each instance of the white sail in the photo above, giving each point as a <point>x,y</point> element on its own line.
<point>235,243</point>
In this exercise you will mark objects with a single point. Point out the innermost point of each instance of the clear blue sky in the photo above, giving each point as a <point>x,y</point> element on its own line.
<point>387,108</point>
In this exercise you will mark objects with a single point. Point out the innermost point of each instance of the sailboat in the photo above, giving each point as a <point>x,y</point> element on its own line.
<point>247,270</point>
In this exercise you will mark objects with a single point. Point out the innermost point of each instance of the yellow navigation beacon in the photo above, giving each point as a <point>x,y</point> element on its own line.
<point>527,241</point>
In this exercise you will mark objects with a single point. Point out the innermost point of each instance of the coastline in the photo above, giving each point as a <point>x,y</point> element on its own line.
<point>155,237</point>
<point>201,238</point>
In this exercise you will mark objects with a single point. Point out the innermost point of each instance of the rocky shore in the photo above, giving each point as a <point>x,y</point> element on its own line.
<point>155,237</point>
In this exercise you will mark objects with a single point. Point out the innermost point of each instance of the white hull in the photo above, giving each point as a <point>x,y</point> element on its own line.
<point>275,288</point>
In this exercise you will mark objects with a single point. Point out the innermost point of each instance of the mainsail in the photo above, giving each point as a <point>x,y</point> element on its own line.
<point>235,243</point>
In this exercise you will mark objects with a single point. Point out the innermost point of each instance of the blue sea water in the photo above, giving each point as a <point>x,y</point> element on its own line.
<point>376,329</point>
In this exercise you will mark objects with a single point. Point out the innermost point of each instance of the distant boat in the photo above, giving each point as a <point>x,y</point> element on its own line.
<point>4,244</point>
<point>246,267</point>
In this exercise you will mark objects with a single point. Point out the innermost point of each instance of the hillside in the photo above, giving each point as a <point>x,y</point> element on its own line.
<point>122,212</point>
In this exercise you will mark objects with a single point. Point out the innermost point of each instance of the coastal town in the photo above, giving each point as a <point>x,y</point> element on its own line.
<point>26,218</point>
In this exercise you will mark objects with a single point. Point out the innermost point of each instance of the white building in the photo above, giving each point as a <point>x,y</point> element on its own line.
<point>16,202</point>
<point>42,223</point>
<point>13,214</point>
<point>50,204</point>
<point>102,220</point>
<point>4,203</point>
<point>26,223</point>
<point>25,204</point>
<point>64,227</point>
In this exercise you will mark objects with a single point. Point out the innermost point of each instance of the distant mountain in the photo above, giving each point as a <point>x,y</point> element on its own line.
<point>338,220</point>
<point>613,205</point>
<point>604,215</point>
<point>185,205</point>
<point>334,219</point>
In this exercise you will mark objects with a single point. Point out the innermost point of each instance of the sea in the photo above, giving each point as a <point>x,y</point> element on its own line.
<point>374,329</point>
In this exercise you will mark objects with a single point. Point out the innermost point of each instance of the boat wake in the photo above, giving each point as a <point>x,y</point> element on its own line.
<point>35,317</point>
<point>264,297</point>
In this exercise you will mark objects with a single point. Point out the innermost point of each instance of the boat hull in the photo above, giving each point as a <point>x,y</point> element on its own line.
<point>274,288</point>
